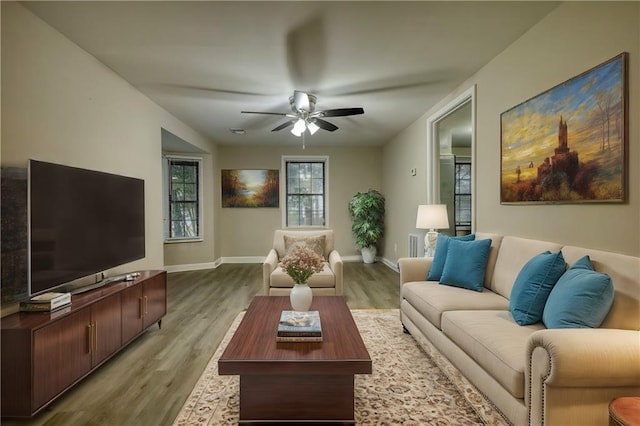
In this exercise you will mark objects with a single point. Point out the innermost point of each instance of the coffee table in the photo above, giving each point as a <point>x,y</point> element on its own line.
<point>296,381</point>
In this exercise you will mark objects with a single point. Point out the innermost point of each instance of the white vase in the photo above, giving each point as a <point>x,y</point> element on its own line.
<point>301,297</point>
<point>368,254</point>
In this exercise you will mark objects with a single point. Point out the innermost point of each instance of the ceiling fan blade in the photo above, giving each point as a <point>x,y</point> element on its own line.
<point>325,125</point>
<point>284,125</point>
<point>267,113</point>
<point>340,112</point>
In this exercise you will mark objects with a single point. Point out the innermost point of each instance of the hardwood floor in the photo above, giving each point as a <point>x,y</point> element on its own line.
<point>148,382</point>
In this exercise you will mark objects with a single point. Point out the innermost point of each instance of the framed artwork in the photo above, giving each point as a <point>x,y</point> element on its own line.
<point>569,144</point>
<point>250,188</point>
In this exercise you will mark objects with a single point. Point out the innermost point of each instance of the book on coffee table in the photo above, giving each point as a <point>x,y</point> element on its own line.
<point>296,326</point>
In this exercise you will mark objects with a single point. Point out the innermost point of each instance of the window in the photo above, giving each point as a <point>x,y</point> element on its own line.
<point>183,195</point>
<point>463,197</point>
<point>306,191</point>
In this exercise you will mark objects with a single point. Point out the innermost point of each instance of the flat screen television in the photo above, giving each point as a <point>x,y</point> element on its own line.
<point>81,222</point>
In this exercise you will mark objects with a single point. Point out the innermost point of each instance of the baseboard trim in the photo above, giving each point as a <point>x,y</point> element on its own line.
<point>256,259</point>
<point>243,259</point>
<point>192,266</point>
<point>390,264</point>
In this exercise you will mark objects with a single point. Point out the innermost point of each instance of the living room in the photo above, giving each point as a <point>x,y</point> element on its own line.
<point>570,40</point>
<point>62,105</point>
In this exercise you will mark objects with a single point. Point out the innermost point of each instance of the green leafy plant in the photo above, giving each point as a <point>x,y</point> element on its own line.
<point>367,213</point>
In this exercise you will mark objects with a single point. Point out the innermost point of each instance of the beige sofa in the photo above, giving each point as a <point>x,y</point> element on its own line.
<point>533,375</point>
<point>276,282</point>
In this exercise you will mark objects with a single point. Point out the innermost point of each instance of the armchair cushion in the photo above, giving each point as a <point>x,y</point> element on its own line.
<point>315,243</point>
<point>325,279</point>
<point>279,244</point>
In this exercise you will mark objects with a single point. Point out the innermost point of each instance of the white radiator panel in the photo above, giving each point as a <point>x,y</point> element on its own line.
<point>414,245</point>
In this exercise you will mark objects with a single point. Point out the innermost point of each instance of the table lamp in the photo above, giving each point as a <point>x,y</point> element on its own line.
<point>432,217</point>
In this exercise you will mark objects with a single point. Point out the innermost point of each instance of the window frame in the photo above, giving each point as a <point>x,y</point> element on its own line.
<point>458,162</point>
<point>284,188</point>
<point>166,189</point>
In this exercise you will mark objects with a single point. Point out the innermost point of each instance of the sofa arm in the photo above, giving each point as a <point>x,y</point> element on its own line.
<point>335,262</point>
<point>414,268</point>
<point>268,266</point>
<point>577,359</point>
<point>586,357</point>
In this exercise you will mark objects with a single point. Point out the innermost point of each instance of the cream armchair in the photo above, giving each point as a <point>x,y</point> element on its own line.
<point>276,282</point>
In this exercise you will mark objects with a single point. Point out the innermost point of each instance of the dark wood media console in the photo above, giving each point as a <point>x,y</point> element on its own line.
<point>44,354</point>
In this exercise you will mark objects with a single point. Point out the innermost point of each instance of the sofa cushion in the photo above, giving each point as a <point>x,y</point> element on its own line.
<point>624,271</point>
<point>440,256</point>
<point>581,298</point>
<point>495,342</point>
<point>432,300</point>
<point>315,243</point>
<point>496,241</point>
<point>514,253</point>
<point>465,264</point>
<point>533,285</point>
<point>326,278</point>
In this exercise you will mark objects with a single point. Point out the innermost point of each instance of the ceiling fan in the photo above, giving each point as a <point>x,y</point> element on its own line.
<point>305,117</point>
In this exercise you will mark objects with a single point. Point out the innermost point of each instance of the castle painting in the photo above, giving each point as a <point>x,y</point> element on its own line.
<point>568,144</point>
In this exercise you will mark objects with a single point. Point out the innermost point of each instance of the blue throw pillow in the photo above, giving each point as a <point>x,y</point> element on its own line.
<point>581,298</point>
<point>439,257</point>
<point>533,285</point>
<point>466,263</point>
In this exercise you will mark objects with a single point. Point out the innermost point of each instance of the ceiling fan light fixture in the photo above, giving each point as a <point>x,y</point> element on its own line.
<point>299,127</point>
<point>313,127</point>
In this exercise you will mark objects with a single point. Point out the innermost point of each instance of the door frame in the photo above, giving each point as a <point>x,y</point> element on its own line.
<point>433,149</point>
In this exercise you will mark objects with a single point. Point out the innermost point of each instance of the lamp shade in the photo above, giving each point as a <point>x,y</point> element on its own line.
<point>432,216</point>
<point>299,127</point>
<point>312,127</point>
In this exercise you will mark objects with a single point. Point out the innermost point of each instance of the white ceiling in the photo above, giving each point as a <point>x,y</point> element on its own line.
<point>206,61</point>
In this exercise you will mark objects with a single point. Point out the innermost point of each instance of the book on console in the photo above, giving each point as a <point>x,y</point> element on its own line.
<point>46,302</point>
<point>296,324</point>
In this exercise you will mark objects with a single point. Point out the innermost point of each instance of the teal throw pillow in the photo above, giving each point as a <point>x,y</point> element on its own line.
<point>533,285</point>
<point>466,263</point>
<point>439,257</point>
<point>581,298</point>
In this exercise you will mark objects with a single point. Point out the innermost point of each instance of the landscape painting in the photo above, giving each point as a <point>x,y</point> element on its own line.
<point>568,144</point>
<point>250,188</point>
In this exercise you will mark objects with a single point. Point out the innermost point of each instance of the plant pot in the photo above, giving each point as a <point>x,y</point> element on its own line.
<point>368,254</point>
<point>301,297</point>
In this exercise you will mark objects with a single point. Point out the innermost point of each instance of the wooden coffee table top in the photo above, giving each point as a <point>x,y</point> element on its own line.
<point>253,348</point>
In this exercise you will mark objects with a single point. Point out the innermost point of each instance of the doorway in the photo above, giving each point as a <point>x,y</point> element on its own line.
<point>450,162</point>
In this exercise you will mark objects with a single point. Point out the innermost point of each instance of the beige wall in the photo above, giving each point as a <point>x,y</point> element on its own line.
<point>573,38</point>
<point>249,231</point>
<point>60,104</point>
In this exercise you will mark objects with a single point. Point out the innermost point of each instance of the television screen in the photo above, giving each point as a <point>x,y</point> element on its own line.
<point>81,222</point>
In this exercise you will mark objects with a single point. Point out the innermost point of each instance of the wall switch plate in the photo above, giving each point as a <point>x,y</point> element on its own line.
<point>413,171</point>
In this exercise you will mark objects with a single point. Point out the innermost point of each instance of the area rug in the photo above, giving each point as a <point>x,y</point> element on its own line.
<point>410,385</point>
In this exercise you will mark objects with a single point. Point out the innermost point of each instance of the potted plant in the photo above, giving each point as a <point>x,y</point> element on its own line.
<point>367,213</point>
